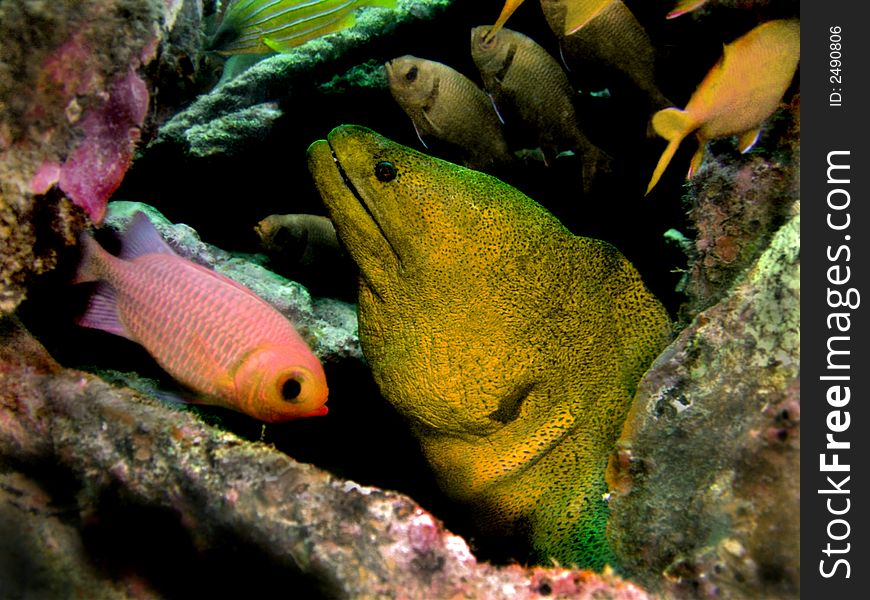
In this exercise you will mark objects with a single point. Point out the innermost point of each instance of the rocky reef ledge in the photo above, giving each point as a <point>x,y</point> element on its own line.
<point>299,525</point>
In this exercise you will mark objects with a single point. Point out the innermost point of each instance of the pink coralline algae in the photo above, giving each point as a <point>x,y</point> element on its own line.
<point>95,168</point>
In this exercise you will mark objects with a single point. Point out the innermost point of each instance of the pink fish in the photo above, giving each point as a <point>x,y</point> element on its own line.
<point>212,334</point>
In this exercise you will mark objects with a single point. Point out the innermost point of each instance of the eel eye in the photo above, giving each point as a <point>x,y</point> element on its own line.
<point>411,75</point>
<point>290,390</point>
<point>385,171</point>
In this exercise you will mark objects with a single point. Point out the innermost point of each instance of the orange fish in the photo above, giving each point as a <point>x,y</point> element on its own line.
<point>212,334</point>
<point>737,95</point>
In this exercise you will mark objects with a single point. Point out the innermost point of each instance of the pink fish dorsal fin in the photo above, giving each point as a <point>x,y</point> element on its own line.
<point>141,238</point>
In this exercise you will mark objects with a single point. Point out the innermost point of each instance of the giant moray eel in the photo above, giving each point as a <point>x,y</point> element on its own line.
<point>511,345</point>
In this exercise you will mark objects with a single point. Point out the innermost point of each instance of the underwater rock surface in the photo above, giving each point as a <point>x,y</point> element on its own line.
<point>736,203</point>
<point>74,102</point>
<point>706,475</point>
<point>206,488</point>
<point>209,125</point>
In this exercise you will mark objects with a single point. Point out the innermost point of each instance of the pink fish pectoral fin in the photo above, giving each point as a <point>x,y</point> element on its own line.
<point>748,139</point>
<point>102,312</point>
<point>176,397</point>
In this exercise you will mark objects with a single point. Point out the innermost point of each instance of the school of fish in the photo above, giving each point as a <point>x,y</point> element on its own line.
<point>528,85</point>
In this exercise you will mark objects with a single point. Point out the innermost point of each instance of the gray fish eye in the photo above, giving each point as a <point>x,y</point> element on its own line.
<point>411,75</point>
<point>385,171</point>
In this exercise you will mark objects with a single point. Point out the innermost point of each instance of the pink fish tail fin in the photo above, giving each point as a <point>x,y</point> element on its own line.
<point>102,309</point>
<point>674,125</point>
<point>93,257</point>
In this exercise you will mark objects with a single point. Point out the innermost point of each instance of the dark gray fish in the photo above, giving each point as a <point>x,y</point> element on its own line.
<point>306,248</point>
<point>447,105</point>
<point>526,82</point>
<point>606,32</point>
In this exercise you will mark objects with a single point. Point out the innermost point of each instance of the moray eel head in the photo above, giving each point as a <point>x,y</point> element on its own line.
<point>412,223</point>
<point>512,346</point>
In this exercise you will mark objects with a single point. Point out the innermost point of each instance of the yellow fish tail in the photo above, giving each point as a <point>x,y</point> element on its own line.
<point>672,124</point>
<point>507,10</point>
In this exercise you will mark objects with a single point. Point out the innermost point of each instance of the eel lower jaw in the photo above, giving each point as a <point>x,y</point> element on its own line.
<point>359,198</point>
<point>499,447</point>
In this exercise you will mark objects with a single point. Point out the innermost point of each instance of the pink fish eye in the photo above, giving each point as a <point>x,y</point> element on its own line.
<point>290,390</point>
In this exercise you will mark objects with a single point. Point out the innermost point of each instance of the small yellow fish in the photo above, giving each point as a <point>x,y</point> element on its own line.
<point>741,90</point>
<point>265,26</point>
<point>526,82</point>
<point>447,105</point>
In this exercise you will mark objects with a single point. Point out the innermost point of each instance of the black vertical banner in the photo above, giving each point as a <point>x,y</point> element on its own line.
<point>835,171</point>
